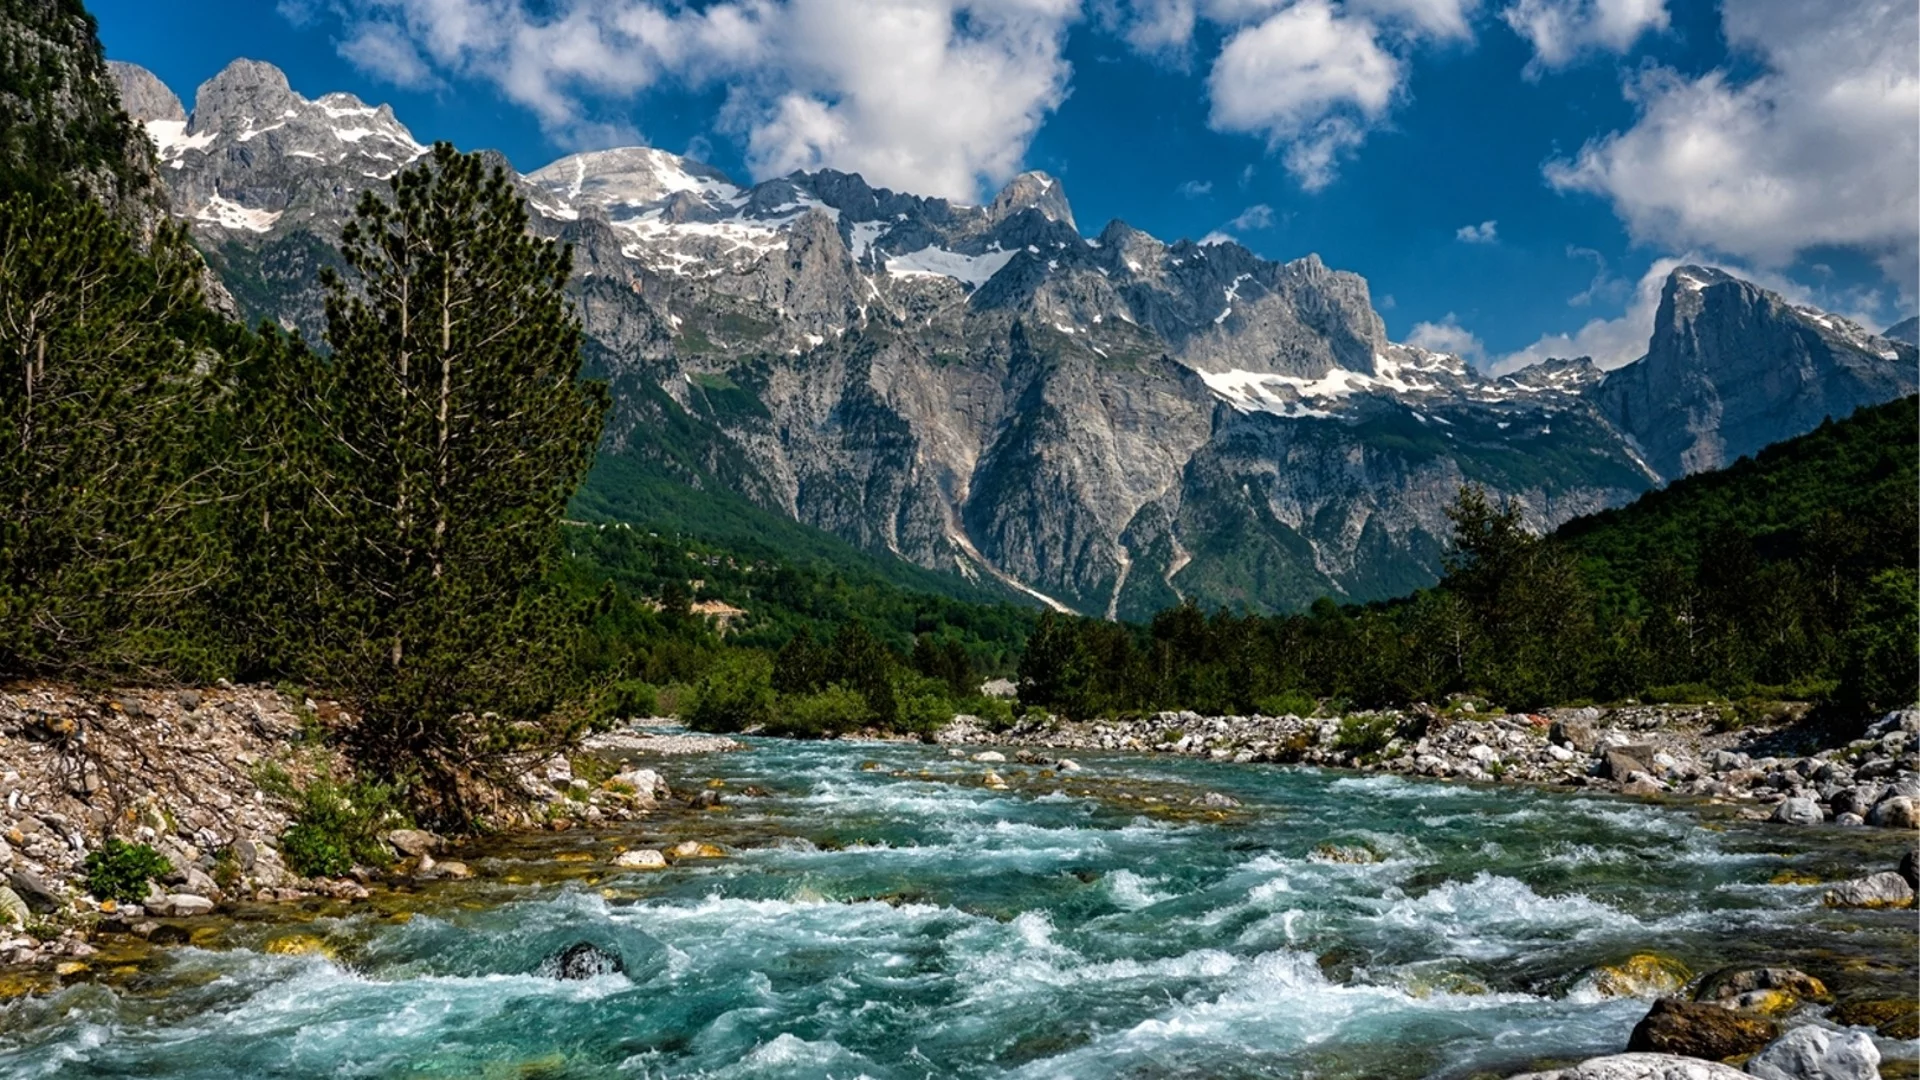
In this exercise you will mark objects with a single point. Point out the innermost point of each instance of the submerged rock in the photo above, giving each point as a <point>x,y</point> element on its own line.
<point>580,961</point>
<point>1642,1067</point>
<point>1642,975</point>
<point>1814,1053</point>
<point>1727,985</point>
<point>1896,1018</point>
<point>1696,1029</point>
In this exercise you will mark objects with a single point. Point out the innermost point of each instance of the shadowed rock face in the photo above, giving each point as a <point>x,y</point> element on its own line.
<point>1113,424</point>
<point>1732,368</point>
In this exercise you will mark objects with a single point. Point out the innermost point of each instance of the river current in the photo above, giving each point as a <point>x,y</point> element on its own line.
<point>881,913</point>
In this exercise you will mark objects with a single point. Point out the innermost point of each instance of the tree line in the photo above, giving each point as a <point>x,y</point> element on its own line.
<point>1791,575</point>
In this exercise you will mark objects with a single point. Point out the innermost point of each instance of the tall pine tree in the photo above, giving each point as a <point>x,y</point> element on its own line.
<point>108,472</point>
<point>435,451</point>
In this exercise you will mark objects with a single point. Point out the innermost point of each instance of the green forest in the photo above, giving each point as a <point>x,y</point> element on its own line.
<point>1790,575</point>
<point>396,517</point>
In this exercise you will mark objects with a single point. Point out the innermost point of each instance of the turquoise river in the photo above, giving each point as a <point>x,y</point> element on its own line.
<point>882,913</point>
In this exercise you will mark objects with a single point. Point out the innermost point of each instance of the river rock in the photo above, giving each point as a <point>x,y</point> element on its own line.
<point>181,905</point>
<point>1895,812</point>
<point>1642,1067</point>
<point>1729,984</point>
<point>1696,1029</point>
<point>1621,762</point>
<point>581,961</point>
<point>13,910</point>
<point>1910,867</point>
<point>412,843</point>
<point>1882,890</point>
<point>991,756</point>
<point>694,849</point>
<point>1642,975</point>
<point>39,896</point>
<point>647,786</point>
<point>1576,731</point>
<point>1798,811</point>
<point>1814,1053</point>
<point>641,859</point>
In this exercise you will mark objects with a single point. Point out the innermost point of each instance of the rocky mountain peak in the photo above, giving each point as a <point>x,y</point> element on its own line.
<point>144,96</point>
<point>1730,365</point>
<point>246,94</point>
<point>1036,191</point>
<point>1907,330</point>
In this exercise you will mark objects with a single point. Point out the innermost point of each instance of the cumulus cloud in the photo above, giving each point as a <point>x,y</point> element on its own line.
<point>936,96</point>
<point>1484,233</point>
<point>1818,149</point>
<point>1448,336</point>
<point>1195,189</point>
<point>1563,30</point>
<point>1311,79</point>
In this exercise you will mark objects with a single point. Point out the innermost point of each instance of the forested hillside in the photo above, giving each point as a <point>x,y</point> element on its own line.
<point>1789,574</point>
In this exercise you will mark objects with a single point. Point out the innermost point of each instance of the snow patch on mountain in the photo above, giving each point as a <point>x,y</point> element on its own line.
<point>931,261</point>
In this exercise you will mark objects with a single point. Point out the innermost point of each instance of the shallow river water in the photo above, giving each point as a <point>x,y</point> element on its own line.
<point>883,914</point>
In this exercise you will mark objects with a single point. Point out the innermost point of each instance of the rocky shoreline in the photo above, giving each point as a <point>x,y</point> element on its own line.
<point>1648,751</point>
<point>186,772</point>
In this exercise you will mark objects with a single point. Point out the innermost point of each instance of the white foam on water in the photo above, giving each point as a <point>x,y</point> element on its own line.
<point>1133,892</point>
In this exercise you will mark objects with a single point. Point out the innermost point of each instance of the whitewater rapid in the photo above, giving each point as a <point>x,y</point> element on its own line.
<point>883,914</point>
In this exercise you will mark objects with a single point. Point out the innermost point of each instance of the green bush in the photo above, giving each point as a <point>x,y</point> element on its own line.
<point>925,706</point>
<point>996,713</point>
<point>1289,703</point>
<point>625,700</point>
<point>1682,694</point>
<point>833,711</point>
<point>335,826</point>
<point>734,695</point>
<point>120,871</point>
<point>1363,736</point>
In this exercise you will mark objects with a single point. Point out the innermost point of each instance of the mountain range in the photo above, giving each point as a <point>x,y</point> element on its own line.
<point>1107,424</point>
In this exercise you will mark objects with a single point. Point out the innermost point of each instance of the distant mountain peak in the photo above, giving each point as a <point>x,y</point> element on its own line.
<point>1907,330</point>
<point>1036,191</point>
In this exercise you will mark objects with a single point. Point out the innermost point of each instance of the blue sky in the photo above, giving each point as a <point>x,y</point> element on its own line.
<point>1513,177</point>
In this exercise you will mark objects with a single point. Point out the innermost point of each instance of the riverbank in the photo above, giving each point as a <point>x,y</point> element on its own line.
<point>1778,771</point>
<point>203,777</point>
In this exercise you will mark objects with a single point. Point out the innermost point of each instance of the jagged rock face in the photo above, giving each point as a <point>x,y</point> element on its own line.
<point>143,95</point>
<point>1111,424</point>
<point>1733,367</point>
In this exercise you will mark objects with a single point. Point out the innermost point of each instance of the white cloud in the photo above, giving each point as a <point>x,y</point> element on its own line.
<point>935,96</point>
<point>1253,218</point>
<point>1216,238</point>
<point>1816,150</point>
<point>1157,28</point>
<point>1311,79</point>
<point>1484,233</point>
<point>380,49</point>
<point>1448,336</point>
<point>1195,189</point>
<point>1563,30</point>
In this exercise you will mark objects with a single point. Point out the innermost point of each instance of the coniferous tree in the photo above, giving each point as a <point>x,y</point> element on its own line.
<point>437,446</point>
<point>107,473</point>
